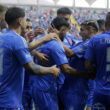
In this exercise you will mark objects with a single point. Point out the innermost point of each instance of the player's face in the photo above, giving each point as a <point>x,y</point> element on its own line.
<point>66,17</point>
<point>29,26</point>
<point>62,32</point>
<point>84,32</point>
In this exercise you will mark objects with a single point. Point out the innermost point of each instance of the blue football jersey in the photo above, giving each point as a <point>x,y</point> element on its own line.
<point>99,53</point>
<point>76,84</point>
<point>14,54</point>
<point>57,56</point>
<point>69,41</point>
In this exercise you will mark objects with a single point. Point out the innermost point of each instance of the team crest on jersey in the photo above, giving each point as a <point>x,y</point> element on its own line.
<point>65,40</point>
<point>99,106</point>
<point>70,41</point>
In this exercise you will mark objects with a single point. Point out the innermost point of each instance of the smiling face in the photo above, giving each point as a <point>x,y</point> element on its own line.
<point>84,32</point>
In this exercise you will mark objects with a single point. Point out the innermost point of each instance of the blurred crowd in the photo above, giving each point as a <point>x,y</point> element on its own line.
<point>42,17</point>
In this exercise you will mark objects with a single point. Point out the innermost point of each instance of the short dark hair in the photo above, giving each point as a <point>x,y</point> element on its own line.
<point>91,23</point>
<point>101,24</point>
<point>64,10</point>
<point>107,21</point>
<point>13,14</point>
<point>58,22</point>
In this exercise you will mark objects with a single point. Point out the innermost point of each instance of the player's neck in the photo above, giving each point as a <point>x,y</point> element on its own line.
<point>92,35</point>
<point>17,30</point>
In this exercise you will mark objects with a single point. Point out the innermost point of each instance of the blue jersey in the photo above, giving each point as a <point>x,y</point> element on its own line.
<point>57,56</point>
<point>13,54</point>
<point>99,52</point>
<point>1,33</point>
<point>69,41</point>
<point>28,80</point>
<point>75,84</point>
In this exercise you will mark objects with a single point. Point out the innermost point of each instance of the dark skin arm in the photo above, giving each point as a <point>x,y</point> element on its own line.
<point>72,71</point>
<point>89,66</point>
<point>35,69</point>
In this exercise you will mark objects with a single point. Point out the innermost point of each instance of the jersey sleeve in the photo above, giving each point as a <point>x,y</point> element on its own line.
<point>79,50</point>
<point>58,54</point>
<point>21,51</point>
<point>90,54</point>
<point>91,93</point>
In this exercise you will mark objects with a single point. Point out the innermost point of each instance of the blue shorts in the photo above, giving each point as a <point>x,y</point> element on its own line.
<point>101,102</point>
<point>27,99</point>
<point>45,100</point>
<point>73,101</point>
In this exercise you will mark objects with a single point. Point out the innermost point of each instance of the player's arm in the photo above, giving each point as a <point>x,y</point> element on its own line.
<point>59,57</point>
<point>24,58</point>
<point>69,52</point>
<point>34,44</point>
<point>90,57</point>
<point>72,71</point>
<point>34,69</point>
<point>91,93</point>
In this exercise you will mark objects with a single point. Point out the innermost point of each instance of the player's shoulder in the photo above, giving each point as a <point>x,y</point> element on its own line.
<point>54,44</point>
<point>101,36</point>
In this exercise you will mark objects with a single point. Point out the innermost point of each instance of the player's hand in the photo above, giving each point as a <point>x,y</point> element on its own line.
<point>51,36</point>
<point>39,31</point>
<point>88,108</point>
<point>53,30</point>
<point>42,58</point>
<point>55,71</point>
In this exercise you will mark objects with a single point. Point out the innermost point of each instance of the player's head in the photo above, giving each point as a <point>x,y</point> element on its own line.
<point>65,13</point>
<point>15,18</point>
<point>101,24</point>
<point>3,10</point>
<point>107,22</point>
<point>88,29</point>
<point>28,25</point>
<point>61,25</point>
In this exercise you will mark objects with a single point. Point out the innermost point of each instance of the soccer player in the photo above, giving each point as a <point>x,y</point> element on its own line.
<point>101,24</point>
<point>97,54</point>
<point>14,57</point>
<point>65,13</point>
<point>45,88</point>
<point>28,81</point>
<point>75,90</point>
<point>27,91</point>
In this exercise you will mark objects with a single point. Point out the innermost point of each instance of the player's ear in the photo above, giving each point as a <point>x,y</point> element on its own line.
<point>20,21</point>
